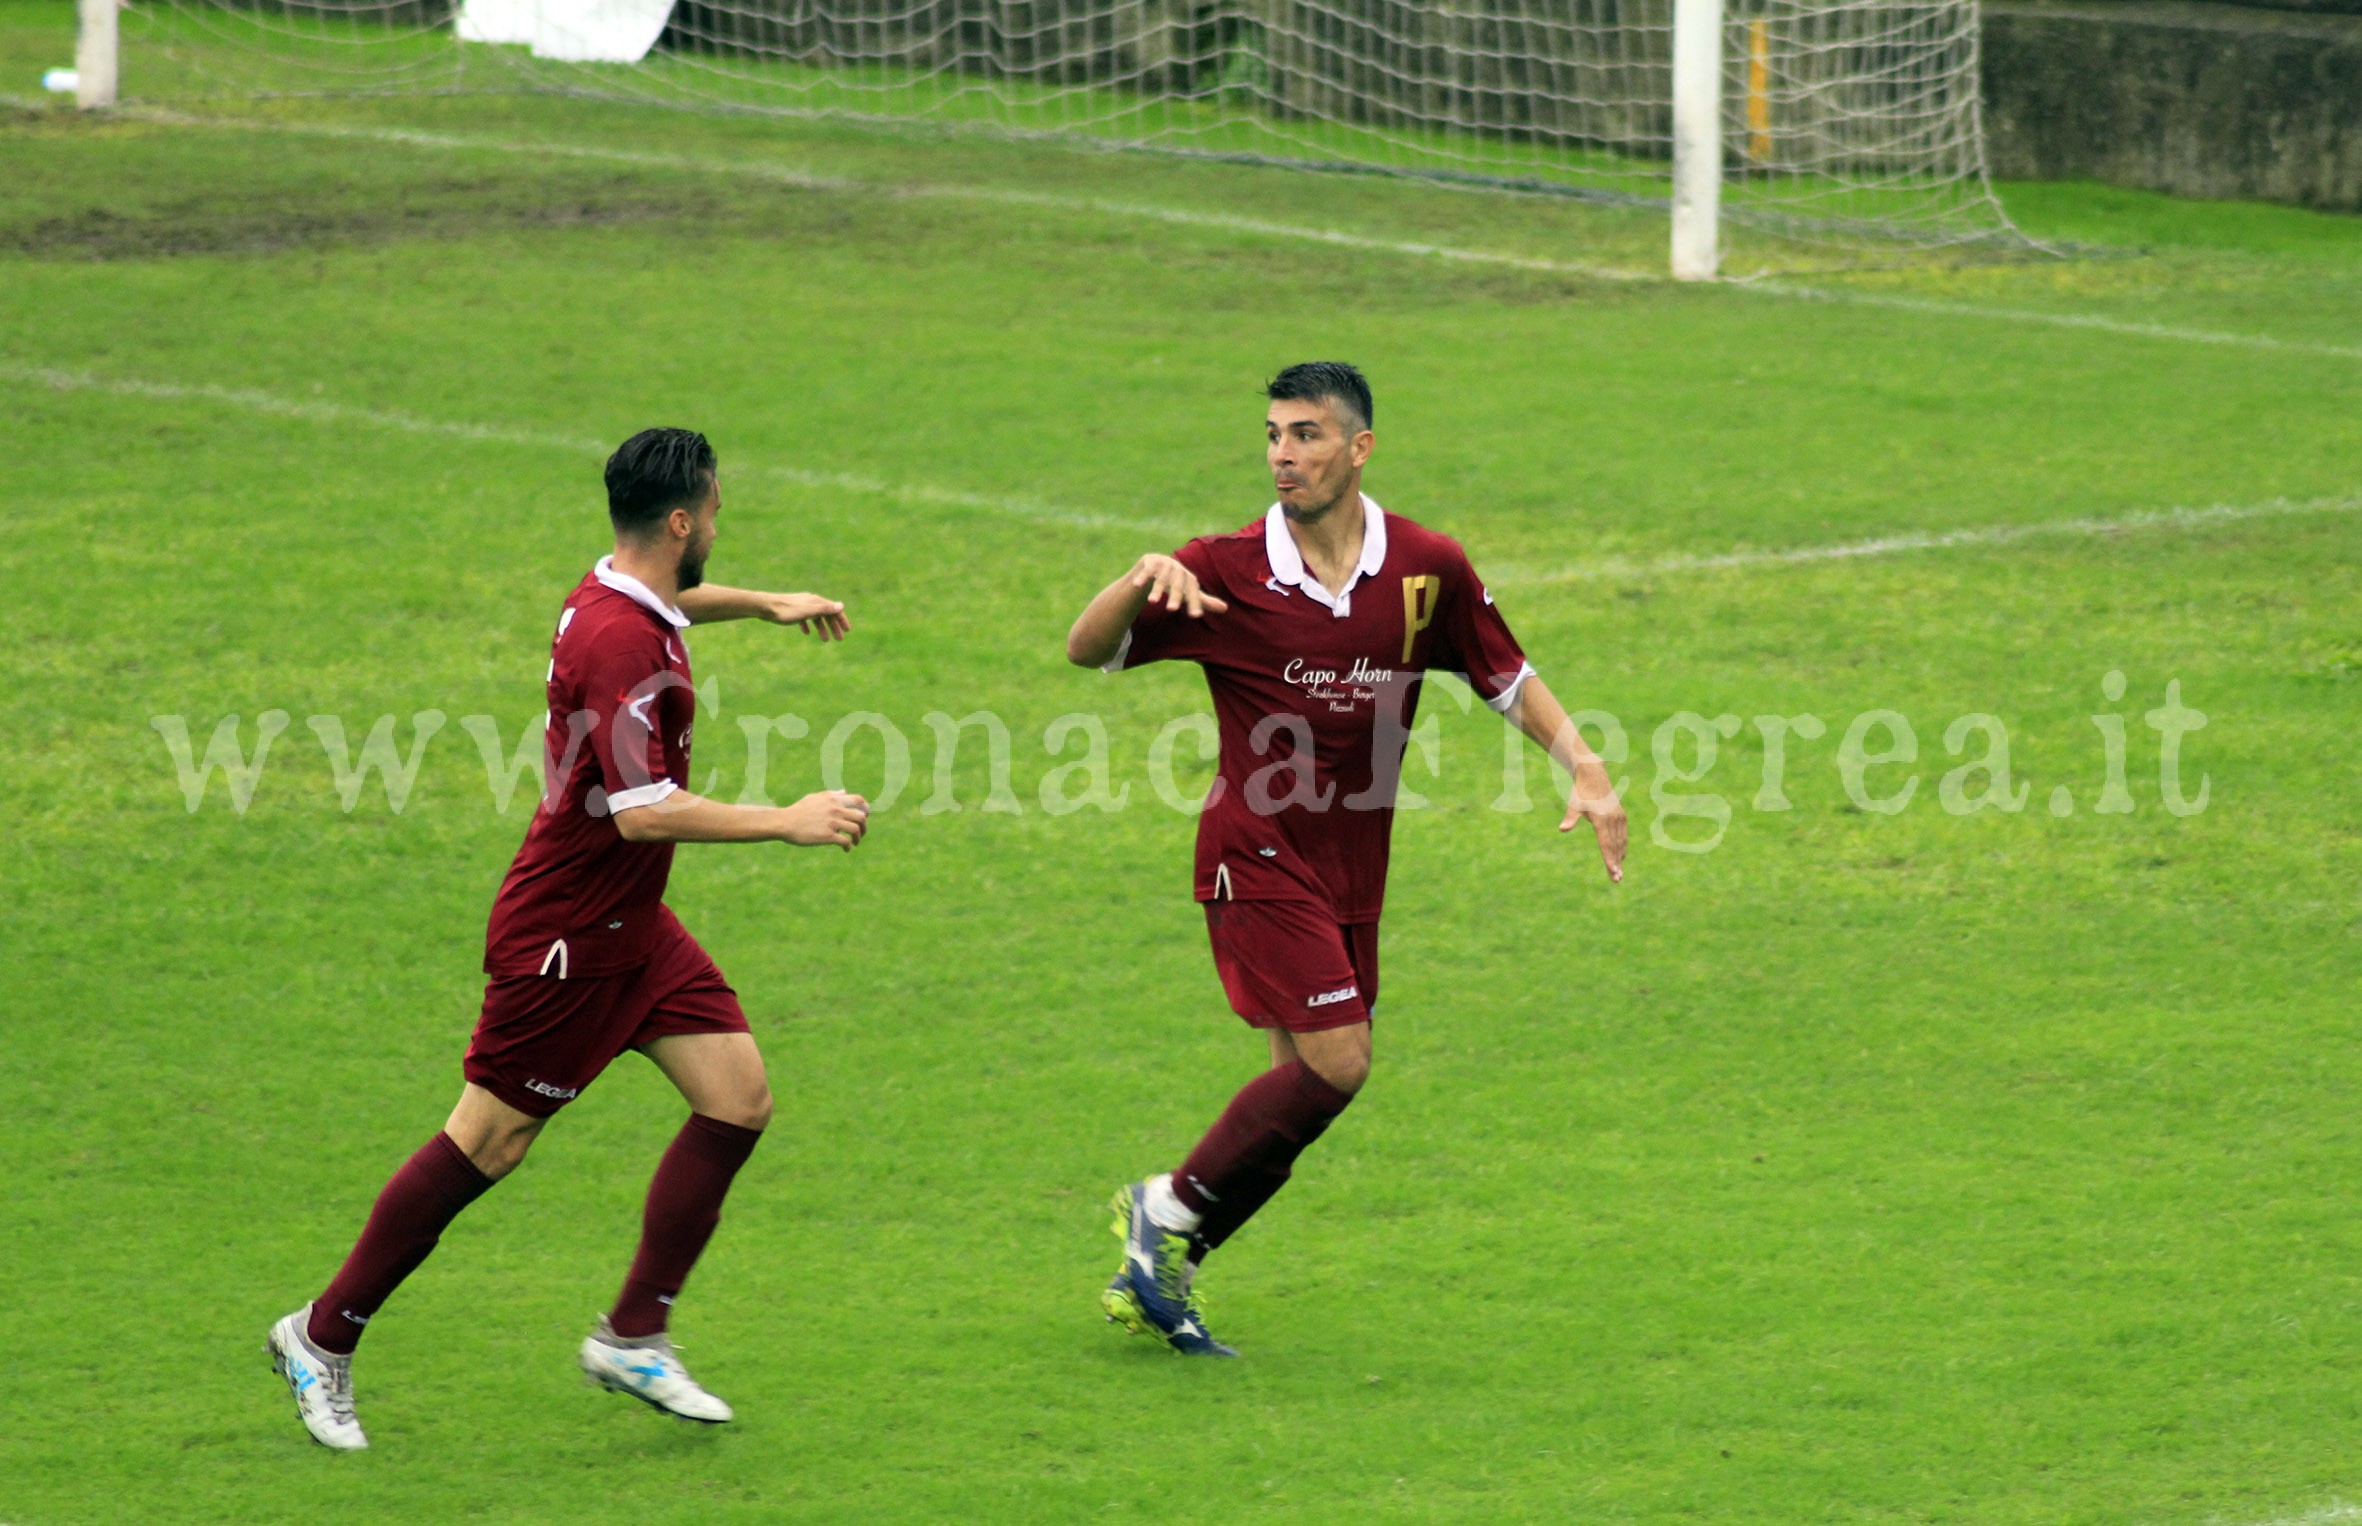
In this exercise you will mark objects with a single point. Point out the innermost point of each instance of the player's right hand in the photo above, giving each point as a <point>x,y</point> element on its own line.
<point>1593,799</point>
<point>825,818</point>
<point>1175,586</point>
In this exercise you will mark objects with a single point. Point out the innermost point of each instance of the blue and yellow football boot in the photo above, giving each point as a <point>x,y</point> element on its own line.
<point>1152,1292</point>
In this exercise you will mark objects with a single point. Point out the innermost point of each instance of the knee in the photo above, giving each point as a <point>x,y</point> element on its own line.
<point>749,1109</point>
<point>500,1151</point>
<point>1346,1069</point>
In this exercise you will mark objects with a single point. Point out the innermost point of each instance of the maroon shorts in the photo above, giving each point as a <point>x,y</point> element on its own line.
<point>543,1038</point>
<point>1288,964</point>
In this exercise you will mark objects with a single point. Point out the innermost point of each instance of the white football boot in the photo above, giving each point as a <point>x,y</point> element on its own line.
<point>647,1368</point>
<point>321,1381</point>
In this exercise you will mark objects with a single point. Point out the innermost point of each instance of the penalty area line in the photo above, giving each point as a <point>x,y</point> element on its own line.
<point>2334,1513</point>
<point>1773,287</point>
<point>1181,216</point>
<point>1933,540</point>
<point>1035,511</point>
<point>321,411</point>
<point>807,180</point>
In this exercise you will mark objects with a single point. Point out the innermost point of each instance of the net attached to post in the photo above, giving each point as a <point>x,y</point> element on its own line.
<point>1848,126</point>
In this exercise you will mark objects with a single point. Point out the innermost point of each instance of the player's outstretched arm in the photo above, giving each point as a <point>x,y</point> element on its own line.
<point>810,612</point>
<point>1539,715</point>
<point>828,818</point>
<point>1098,632</point>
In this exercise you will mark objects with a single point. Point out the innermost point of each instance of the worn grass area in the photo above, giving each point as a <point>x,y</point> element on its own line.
<point>1868,1167</point>
<point>186,54</point>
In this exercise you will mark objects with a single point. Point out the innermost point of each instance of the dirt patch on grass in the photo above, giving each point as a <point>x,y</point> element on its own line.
<point>200,226</point>
<point>250,207</point>
<point>458,209</point>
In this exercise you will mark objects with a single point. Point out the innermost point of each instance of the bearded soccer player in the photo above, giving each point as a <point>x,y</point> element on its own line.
<point>1314,625</point>
<point>586,961</point>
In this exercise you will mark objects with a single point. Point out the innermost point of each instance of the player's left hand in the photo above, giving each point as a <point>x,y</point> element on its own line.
<point>809,612</point>
<point>1606,815</point>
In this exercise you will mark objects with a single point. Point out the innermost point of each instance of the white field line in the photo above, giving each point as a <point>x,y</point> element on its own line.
<point>786,175</point>
<point>322,412</point>
<point>2332,1514</point>
<point>1773,288</point>
<point>1938,540</point>
<point>779,174</point>
<point>993,195</point>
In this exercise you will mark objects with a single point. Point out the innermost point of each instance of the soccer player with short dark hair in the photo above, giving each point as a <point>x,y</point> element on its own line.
<point>584,959</point>
<point>1314,625</point>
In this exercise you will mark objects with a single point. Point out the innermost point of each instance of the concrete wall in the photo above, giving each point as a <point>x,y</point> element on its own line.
<point>2175,95</point>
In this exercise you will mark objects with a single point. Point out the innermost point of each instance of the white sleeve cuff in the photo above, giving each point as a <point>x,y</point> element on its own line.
<point>646,794</point>
<point>1507,698</point>
<point>1115,664</point>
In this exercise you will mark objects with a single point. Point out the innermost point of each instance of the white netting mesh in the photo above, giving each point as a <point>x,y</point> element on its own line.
<point>1845,121</point>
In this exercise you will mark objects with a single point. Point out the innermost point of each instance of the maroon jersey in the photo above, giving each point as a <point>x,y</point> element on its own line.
<point>579,900</point>
<point>1314,697</point>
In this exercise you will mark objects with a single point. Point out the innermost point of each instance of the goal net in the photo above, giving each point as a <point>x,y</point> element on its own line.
<point>1847,127</point>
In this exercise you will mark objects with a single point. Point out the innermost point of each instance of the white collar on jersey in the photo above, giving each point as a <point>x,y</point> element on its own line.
<point>1287,561</point>
<point>636,591</point>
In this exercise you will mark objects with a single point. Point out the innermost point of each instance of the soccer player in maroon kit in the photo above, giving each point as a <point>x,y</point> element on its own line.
<point>586,961</point>
<point>1314,625</point>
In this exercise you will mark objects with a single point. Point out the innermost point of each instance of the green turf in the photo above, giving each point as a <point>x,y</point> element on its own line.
<point>1867,1168</point>
<point>188,53</point>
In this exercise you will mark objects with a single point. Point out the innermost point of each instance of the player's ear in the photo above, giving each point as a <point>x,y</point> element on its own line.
<point>1363,444</point>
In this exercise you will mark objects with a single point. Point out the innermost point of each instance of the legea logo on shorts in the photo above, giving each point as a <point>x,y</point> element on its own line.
<point>1331,998</point>
<point>562,1093</point>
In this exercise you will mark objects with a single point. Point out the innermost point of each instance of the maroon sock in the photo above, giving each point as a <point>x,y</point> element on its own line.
<point>411,1215</point>
<point>1247,1155</point>
<point>684,1205</point>
<point>1241,1203</point>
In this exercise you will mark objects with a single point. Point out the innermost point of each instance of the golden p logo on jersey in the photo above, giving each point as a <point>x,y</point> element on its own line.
<point>1418,607</point>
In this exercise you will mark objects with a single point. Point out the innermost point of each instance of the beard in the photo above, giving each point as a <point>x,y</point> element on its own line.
<point>1304,513</point>
<point>692,567</point>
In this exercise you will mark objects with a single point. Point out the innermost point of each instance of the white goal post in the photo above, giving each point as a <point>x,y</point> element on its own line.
<point>95,53</point>
<point>1697,139</point>
<point>1773,132</point>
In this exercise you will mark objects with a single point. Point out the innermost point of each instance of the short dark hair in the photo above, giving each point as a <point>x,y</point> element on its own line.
<point>655,472</point>
<point>1337,383</point>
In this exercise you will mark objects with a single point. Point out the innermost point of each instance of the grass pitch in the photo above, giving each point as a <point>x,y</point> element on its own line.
<point>1869,1167</point>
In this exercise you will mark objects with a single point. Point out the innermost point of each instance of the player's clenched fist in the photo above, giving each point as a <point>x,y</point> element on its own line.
<point>1174,586</point>
<point>829,816</point>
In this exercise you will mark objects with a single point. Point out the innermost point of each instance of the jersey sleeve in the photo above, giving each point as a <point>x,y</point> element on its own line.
<point>624,679</point>
<point>1169,635</point>
<point>1477,640</point>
